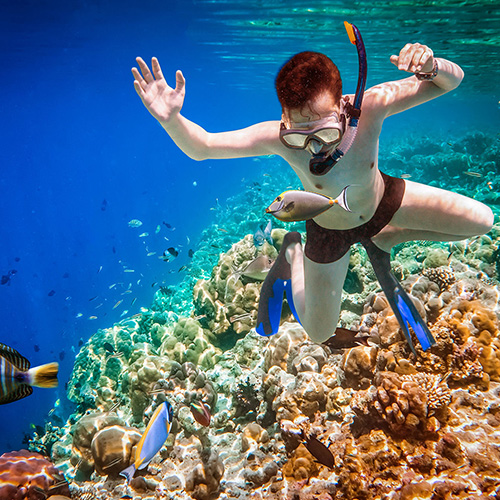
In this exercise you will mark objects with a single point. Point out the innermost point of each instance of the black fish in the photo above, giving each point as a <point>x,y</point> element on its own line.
<point>108,347</point>
<point>36,347</point>
<point>191,253</point>
<point>80,343</point>
<point>17,259</point>
<point>167,225</point>
<point>319,451</point>
<point>173,251</point>
<point>104,205</point>
<point>17,378</point>
<point>66,275</point>
<point>345,339</point>
<point>62,354</point>
<point>6,277</point>
<point>51,293</point>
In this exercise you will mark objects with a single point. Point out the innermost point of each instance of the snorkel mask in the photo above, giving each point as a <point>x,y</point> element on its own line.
<point>322,162</point>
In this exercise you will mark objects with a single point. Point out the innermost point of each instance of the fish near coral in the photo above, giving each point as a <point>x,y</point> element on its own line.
<point>152,440</point>
<point>201,413</point>
<point>345,339</point>
<point>292,206</point>
<point>319,451</point>
<point>262,235</point>
<point>257,269</point>
<point>17,379</point>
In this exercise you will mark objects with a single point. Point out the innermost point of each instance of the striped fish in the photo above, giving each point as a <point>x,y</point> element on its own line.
<point>17,379</point>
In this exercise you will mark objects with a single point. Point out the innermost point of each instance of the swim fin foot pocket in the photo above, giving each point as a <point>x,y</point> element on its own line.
<point>277,284</point>
<point>401,303</point>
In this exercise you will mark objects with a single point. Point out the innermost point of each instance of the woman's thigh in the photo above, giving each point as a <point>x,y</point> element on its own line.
<point>437,210</point>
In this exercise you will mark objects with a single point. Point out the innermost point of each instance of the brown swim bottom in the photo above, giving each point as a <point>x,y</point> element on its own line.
<point>328,245</point>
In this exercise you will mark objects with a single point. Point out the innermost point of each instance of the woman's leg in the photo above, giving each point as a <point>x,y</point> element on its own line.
<point>429,213</point>
<point>317,292</point>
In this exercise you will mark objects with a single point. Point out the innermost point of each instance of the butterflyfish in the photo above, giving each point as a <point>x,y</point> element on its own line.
<point>292,206</point>
<point>152,440</point>
<point>17,379</point>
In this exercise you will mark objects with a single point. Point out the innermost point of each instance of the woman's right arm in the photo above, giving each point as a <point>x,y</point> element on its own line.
<point>165,104</point>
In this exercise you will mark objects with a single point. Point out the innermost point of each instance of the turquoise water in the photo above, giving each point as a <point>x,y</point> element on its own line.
<point>81,157</point>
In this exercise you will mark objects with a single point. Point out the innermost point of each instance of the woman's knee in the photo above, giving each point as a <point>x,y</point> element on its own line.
<point>485,219</point>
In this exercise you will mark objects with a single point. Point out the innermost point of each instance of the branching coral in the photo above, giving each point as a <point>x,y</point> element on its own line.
<point>403,404</point>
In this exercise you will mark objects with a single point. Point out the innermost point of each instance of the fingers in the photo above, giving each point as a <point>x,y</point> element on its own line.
<point>413,57</point>
<point>180,81</point>
<point>156,69</point>
<point>148,77</point>
<point>139,89</point>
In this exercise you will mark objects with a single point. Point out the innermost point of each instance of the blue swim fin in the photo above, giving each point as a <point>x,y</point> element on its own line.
<point>401,303</point>
<point>277,284</point>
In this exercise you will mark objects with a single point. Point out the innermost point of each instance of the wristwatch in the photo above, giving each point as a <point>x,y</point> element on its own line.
<point>429,76</point>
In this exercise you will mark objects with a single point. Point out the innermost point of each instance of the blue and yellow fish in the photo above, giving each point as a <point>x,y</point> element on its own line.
<point>152,440</point>
<point>17,379</point>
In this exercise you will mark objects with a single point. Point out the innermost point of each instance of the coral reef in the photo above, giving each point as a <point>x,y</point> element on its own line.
<point>28,475</point>
<point>385,423</point>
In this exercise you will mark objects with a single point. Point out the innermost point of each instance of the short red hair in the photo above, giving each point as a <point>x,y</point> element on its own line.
<point>305,76</point>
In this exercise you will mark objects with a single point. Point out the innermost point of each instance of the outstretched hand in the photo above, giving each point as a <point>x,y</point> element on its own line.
<point>414,58</point>
<point>161,100</point>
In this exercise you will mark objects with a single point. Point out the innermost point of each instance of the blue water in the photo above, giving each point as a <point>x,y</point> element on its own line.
<point>81,156</point>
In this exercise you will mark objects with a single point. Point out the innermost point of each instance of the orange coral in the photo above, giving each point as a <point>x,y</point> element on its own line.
<point>28,475</point>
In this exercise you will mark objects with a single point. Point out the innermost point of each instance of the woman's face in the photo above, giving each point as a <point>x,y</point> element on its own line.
<point>320,107</point>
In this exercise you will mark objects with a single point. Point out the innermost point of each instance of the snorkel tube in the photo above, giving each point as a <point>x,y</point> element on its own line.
<point>320,164</point>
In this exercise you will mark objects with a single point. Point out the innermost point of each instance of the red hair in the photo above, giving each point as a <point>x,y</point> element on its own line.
<point>305,76</point>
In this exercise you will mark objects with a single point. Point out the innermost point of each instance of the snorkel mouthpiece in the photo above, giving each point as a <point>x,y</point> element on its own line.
<point>322,163</point>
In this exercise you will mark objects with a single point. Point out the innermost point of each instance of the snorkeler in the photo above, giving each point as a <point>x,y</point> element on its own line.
<point>315,136</point>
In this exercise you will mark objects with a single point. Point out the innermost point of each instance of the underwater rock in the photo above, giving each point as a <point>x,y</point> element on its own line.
<point>112,449</point>
<point>204,479</point>
<point>358,364</point>
<point>289,338</point>
<point>28,475</point>
<point>83,431</point>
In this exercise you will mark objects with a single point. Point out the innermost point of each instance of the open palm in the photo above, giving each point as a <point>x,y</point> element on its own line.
<point>161,100</point>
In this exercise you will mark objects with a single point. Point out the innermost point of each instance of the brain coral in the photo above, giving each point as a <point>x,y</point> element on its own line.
<point>25,474</point>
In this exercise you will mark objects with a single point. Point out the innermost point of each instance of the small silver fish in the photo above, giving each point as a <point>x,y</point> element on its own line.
<point>135,223</point>
<point>239,317</point>
<point>292,206</point>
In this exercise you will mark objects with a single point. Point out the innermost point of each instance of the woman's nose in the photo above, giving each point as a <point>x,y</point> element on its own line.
<point>314,146</point>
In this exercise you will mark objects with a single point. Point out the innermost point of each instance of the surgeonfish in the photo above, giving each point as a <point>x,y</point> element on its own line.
<point>292,206</point>
<point>201,413</point>
<point>152,440</point>
<point>17,378</point>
